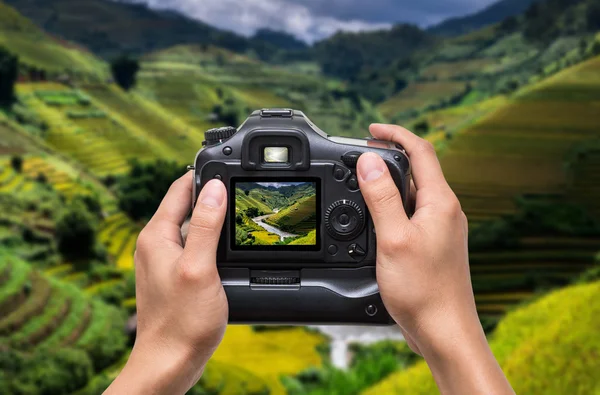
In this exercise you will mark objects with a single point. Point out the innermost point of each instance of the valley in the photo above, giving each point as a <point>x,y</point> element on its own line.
<point>514,120</point>
<point>276,213</point>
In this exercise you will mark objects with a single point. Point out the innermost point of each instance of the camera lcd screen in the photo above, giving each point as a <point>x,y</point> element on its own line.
<point>278,214</point>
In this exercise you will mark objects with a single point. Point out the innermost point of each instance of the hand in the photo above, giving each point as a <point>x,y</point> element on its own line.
<point>181,305</point>
<point>423,268</point>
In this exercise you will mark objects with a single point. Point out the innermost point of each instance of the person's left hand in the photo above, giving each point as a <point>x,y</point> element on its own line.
<point>181,305</point>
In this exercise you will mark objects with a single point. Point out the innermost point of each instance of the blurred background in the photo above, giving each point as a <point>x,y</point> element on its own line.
<point>103,103</point>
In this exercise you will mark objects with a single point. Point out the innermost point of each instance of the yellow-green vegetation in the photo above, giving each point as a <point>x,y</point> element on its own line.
<point>264,238</point>
<point>300,217</point>
<point>37,49</point>
<point>254,199</point>
<point>226,379</point>
<point>548,347</point>
<point>41,311</point>
<point>119,234</point>
<point>309,239</point>
<point>421,94</point>
<point>269,354</point>
<point>195,83</point>
<point>520,147</point>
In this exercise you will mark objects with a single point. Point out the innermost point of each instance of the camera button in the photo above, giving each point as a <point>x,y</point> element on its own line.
<point>356,251</point>
<point>339,173</point>
<point>371,310</point>
<point>332,250</point>
<point>227,151</point>
<point>218,177</point>
<point>352,183</point>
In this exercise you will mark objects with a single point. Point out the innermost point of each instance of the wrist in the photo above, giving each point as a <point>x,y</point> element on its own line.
<point>460,358</point>
<point>156,371</point>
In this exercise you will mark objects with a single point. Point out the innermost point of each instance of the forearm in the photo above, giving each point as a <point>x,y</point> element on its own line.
<point>461,360</point>
<point>155,374</point>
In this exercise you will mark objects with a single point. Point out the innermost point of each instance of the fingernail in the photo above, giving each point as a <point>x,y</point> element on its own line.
<point>370,167</point>
<point>213,193</point>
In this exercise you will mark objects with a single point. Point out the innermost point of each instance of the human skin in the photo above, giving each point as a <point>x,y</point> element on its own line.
<point>422,272</point>
<point>423,268</point>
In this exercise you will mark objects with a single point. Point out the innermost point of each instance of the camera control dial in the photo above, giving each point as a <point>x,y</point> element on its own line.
<point>215,136</point>
<point>344,220</point>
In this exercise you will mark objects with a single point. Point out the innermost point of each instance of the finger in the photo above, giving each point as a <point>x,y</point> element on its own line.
<point>164,228</point>
<point>426,170</point>
<point>206,223</point>
<point>380,193</point>
<point>413,196</point>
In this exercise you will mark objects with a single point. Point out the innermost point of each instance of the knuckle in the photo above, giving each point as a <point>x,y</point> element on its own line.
<point>452,207</point>
<point>425,147</point>
<point>392,242</point>
<point>192,272</point>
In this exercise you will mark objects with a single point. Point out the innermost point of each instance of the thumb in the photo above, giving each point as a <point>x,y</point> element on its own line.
<point>207,222</point>
<point>381,194</point>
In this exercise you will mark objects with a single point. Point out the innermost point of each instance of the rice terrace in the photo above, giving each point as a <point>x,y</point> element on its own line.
<point>511,104</point>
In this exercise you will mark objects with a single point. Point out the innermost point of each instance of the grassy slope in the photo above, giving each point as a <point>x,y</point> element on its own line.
<point>35,48</point>
<point>487,61</point>
<point>515,146</point>
<point>296,215</point>
<point>189,81</point>
<point>269,354</point>
<point>536,346</point>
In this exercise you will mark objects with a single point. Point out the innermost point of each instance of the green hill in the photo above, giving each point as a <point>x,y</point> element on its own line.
<point>111,28</point>
<point>37,49</point>
<point>540,146</point>
<point>547,347</point>
<point>41,313</point>
<point>300,217</point>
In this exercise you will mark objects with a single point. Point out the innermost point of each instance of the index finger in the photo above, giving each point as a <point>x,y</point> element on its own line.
<point>426,170</point>
<point>173,210</point>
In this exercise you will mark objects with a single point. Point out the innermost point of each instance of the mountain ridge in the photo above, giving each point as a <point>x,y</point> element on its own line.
<point>491,14</point>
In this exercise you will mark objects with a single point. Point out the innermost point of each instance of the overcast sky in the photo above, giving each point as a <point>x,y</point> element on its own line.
<point>312,20</point>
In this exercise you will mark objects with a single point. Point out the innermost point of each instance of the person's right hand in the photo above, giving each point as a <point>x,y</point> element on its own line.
<point>423,267</point>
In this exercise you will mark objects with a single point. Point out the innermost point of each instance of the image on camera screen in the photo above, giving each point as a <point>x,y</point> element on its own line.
<point>275,213</point>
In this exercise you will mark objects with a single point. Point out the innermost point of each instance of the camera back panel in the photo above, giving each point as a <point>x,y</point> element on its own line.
<point>298,244</point>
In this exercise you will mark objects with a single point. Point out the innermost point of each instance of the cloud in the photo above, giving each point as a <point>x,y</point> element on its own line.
<point>312,20</point>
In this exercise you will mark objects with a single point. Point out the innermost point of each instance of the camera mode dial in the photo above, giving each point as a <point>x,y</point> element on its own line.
<point>344,220</point>
<point>215,136</point>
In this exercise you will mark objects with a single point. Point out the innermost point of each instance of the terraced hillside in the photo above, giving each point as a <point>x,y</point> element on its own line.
<point>40,313</point>
<point>300,217</point>
<point>479,65</point>
<point>522,149</point>
<point>37,49</point>
<point>197,82</point>
<point>533,344</point>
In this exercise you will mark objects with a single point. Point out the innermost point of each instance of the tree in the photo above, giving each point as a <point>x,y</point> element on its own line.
<point>9,72</point>
<point>141,191</point>
<point>421,128</point>
<point>76,230</point>
<point>16,163</point>
<point>124,71</point>
<point>252,212</point>
<point>509,25</point>
<point>593,16</point>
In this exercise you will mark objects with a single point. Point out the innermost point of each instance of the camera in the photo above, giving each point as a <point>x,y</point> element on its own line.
<point>298,245</point>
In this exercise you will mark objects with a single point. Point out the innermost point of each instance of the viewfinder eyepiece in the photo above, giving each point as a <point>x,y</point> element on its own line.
<point>276,155</point>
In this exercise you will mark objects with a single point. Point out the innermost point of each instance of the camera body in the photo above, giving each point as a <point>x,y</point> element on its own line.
<point>298,245</point>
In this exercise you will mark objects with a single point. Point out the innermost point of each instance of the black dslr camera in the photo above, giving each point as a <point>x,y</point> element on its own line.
<point>298,244</point>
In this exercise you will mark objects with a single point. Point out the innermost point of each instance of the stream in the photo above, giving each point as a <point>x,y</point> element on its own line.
<point>343,336</point>
<point>271,229</point>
